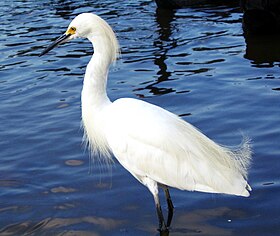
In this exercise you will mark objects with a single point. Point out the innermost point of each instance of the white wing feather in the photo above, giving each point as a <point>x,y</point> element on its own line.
<point>163,147</point>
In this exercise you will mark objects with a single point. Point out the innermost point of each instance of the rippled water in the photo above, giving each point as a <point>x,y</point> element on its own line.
<point>194,62</point>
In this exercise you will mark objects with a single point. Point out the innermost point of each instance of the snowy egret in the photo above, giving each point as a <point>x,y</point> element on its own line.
<point>157,147</point>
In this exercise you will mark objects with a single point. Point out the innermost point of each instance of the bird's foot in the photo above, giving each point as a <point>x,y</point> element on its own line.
<point>163,230</point>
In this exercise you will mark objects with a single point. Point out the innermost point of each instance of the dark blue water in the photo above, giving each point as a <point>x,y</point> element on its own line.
<point>195,62</point>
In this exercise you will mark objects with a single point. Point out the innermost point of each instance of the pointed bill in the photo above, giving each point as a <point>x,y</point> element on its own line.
<point>63,38</point>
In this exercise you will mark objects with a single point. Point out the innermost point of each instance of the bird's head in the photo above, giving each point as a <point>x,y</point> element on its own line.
<point>91,26</point>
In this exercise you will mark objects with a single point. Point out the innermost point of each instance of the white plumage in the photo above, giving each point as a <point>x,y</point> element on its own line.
<point>154,145</point>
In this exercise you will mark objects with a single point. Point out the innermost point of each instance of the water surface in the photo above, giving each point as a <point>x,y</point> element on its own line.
<point>195,62</point>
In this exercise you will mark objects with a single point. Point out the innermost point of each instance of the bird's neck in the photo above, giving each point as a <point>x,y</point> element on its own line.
<point>95,82</point>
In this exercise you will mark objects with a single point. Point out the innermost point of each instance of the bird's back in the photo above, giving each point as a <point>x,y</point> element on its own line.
<point>150,141</point>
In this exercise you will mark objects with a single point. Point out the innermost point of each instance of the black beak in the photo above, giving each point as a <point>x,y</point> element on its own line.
<point>63,38</point>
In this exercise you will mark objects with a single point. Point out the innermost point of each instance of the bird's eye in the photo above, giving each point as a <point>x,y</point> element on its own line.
<point>71,30</point>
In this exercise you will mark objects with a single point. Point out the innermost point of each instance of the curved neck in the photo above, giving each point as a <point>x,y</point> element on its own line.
<point>95,81</point>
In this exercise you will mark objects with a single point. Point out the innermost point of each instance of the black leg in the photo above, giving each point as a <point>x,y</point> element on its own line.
<point>162,225</point>
<point>170,206</point>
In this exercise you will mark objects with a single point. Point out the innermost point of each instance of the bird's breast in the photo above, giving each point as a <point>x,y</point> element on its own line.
<point>94,132</point>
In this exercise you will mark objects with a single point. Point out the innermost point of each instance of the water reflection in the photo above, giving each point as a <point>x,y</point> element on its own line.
<point>65,8</point>
<point>165,42</point>
<point>162,44</point>
<point>54,226</point>
<point>69,8</point>
<point>45,189</point>
<point>176,4</point>
<point>262,50</point>
<point>200,222</point>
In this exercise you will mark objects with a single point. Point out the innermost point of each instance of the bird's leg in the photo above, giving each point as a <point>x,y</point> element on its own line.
<point>153,187</point>
<point>162,225</point>
<point>170,206</point>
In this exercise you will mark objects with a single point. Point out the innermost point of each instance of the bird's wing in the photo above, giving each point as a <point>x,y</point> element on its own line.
<point>150,141</point>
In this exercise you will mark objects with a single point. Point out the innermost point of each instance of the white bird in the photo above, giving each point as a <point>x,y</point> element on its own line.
<point>157,147</point>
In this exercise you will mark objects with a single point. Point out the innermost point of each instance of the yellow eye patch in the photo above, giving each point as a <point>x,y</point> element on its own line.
<point>71,30</point>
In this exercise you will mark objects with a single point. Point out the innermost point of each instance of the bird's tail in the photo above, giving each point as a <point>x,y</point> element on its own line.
<point>240,161</point>
<point>243,157</point>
